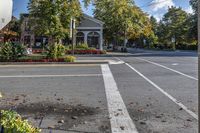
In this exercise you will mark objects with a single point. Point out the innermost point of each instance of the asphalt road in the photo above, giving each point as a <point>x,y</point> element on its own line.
<point>154,91</point>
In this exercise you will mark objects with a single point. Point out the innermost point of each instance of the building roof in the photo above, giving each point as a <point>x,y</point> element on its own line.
<point>93,19</point>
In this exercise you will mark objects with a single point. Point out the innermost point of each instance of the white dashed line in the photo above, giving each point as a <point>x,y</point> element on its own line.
<point>165,93</point>
<point>174,64</point>
<point>119,117</point>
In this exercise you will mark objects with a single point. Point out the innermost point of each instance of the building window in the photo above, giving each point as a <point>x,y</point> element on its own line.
<point>80,38</point>
<point>41,41</point>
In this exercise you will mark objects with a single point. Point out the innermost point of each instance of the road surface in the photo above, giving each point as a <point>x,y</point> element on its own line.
<point>151,92</point>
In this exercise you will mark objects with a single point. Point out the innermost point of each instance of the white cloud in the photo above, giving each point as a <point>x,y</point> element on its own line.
<point>158,17</point>
<point>161,4</point>
<point>189,10</point>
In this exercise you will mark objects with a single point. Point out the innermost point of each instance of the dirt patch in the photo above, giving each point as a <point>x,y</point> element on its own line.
<point>58,116</point>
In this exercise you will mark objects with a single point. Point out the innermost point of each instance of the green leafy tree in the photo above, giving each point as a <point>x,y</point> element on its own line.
<point>154,24</point>
<point>122,18</point>
<point>193,20</point>
<point>52,17</point>
<point>174,25</point>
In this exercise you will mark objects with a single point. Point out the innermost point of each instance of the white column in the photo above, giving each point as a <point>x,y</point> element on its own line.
<point>32,40</point>
<point>85,37</point>
<point>101,39</point>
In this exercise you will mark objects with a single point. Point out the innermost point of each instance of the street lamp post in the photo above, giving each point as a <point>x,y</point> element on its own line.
<point>198,61</point>
<point>125,37</point>
<point>72,33</point>
<point>174,42</point>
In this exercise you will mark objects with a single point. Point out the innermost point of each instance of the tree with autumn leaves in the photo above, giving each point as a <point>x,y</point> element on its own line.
<point>52,17</point>
<point>122,19</point>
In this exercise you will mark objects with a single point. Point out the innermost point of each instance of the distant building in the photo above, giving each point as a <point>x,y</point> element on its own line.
<point>8,33</point>
<point>90,31</point>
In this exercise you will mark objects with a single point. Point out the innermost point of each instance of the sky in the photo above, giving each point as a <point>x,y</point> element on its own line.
<point>157,10</point>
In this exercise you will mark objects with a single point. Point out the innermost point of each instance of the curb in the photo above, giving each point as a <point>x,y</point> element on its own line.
<point>52,63</point>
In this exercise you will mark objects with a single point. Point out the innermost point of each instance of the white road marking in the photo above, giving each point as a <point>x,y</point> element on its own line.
<point>174,64</point>
<point>119,117</point>
<point>113,62</point>
<point>188,76</point>
<point>45,76</point>
<point>165,93</point>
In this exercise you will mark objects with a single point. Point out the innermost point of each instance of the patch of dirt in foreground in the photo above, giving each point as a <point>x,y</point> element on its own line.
<point>60,115</point>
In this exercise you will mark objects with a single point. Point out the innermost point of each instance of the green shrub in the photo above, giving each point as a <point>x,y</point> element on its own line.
<point>52,51</point>
<point>55,51</point>
<point>79,47</point>
<point>69,47</point>
<point>13,123</point>
<point>10,51</point>
<point>60,50</point>
<point>151,46</point>
<point>6,52</point>
<point>18,50</point>
<point>192,47</point>
<point>103,52</point>
<point>82,46</point>
<point>70,59</point>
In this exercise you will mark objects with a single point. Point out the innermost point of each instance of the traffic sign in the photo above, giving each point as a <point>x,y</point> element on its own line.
<point>6,7</point>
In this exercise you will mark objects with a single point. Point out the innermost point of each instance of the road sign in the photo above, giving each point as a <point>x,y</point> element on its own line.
<point>6,7</point>
<point>173,39</point>
<point>72,26</point>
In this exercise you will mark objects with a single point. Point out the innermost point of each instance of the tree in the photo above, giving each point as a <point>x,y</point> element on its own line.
<point>194,19</point>
<point>154,23</point>
<point>52,17</point>
<point>122,18</point>
<point>194,4</point>
<point>174,25</point>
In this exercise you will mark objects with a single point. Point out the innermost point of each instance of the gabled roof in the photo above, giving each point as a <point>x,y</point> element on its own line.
<point>93,19</point>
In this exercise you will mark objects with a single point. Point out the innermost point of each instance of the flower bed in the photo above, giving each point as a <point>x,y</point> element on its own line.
<point>86,52</point>
<point>41,60</point>
<point>38,51</point>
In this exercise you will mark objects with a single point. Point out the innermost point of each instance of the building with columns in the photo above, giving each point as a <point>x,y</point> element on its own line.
<point>89,30</point>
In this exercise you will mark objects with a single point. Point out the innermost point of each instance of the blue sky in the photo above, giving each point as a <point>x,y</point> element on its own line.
<point>157,10</point>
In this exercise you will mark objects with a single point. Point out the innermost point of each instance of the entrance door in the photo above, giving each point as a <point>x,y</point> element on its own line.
<point>93,40</point>
<point>27,40</point>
